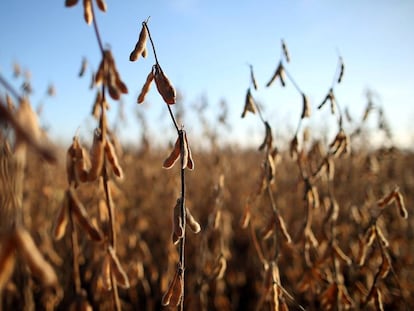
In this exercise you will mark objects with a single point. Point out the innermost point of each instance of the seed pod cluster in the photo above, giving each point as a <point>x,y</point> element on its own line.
<point>182,148</point>
<point>249,104</point>
<point>164,86</point>
<point>140,47</point>
<point>280,72</point>
<point>108,75</point>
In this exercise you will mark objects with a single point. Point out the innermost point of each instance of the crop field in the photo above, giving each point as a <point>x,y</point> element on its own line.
<point>319,224</point>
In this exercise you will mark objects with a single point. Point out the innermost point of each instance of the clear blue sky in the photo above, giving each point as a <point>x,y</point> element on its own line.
<point>204,47</point>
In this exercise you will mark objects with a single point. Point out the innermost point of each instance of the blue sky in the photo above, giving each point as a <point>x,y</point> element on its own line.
<point>204,47</point>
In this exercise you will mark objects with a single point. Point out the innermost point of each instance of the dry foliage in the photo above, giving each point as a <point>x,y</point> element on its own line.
<point>315,227</point>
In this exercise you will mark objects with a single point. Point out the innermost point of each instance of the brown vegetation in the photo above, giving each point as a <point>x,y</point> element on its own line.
<point>320,226</point>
